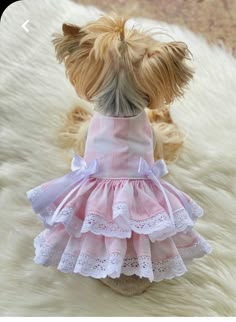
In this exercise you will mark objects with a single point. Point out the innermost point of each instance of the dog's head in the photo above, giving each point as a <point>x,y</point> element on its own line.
<point>106,62</point>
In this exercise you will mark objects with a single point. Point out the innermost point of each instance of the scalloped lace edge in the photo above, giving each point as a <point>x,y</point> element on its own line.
<point>158,227</point>
<point>114,264</point>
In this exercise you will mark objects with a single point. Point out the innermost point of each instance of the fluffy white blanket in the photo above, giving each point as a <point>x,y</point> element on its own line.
<point>33,94</point>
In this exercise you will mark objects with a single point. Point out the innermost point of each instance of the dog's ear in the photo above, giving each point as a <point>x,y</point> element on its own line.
<point>164,73</point>
<point>67,43</point>
<point>70,30</point>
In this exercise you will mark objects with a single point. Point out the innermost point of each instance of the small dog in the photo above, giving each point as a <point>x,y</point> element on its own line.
<point>120,72</point>
<point>104,56</point>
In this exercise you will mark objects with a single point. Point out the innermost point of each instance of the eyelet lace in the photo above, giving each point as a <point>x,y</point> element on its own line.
<point>114,264</point>
<point>158,225</point>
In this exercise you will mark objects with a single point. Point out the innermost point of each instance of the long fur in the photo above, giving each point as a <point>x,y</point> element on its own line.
<point>122,71</point>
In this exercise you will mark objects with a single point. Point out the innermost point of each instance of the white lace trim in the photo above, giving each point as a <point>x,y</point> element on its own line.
<point>114,264</point>
<point>99,226</point>
<point>66,217</point>
<point>158,227</point>
<point>44,254</point>
<point>196,210</point>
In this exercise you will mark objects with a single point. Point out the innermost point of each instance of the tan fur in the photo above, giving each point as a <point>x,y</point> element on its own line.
<point>97,54</point>
<point>73,133</point>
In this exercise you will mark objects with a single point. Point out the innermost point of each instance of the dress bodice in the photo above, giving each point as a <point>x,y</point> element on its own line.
<point>118,143</point>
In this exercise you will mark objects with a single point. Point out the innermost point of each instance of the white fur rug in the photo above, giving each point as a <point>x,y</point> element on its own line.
<point>33,93</point>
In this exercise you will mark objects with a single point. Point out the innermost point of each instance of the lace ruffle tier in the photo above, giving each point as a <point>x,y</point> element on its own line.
<point>99,231</point>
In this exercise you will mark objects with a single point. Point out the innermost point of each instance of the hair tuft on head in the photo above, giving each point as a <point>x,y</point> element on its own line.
<point>122,68</point>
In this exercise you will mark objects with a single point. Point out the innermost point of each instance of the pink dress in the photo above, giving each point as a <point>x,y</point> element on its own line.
<point>113,213</point>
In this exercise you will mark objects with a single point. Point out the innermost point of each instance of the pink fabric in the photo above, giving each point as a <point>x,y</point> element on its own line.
<point>99,195</point>
<point>116,220</point>
<point>138,244</point>
<point>118,143</point>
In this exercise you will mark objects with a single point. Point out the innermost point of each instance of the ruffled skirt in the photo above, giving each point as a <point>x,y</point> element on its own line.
<point>105,227</point>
